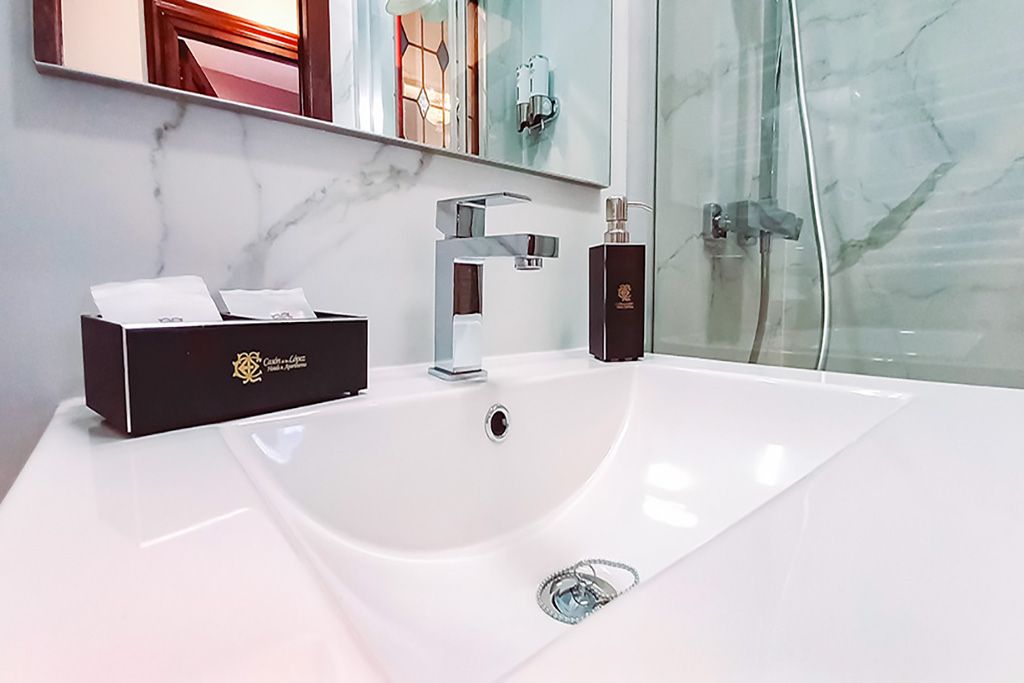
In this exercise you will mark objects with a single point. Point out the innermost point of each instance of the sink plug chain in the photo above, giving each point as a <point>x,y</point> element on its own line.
<point>574,593</point>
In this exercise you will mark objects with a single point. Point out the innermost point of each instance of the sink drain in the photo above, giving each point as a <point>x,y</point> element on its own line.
<point>574,593</point>
<point>496,424</point>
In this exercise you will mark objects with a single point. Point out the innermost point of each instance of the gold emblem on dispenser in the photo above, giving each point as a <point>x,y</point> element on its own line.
<point>248,367</point>
<point>625,302</point>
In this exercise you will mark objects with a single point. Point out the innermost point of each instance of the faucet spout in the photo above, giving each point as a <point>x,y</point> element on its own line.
<point>522,245</point>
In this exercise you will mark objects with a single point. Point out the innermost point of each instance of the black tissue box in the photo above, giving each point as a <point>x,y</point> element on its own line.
<point>145,379</point>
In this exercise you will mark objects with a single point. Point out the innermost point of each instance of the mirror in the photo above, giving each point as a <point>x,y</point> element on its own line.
<point>518,82</point>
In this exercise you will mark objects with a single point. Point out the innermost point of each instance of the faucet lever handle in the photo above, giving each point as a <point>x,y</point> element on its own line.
<point>464,216</point>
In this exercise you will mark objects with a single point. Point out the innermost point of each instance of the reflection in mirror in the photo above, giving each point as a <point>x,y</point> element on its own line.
<point>425,112</point>
<point>250,54</point>
<point>240,50</point>
<point>522,82</point>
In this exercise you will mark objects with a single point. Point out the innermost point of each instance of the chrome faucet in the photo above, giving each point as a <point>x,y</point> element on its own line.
<point>459,278</point>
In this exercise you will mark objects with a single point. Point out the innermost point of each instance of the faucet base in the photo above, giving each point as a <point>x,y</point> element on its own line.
<point>448,376</point>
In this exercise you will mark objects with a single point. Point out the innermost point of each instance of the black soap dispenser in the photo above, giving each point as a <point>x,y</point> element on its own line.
<point>617,279</point>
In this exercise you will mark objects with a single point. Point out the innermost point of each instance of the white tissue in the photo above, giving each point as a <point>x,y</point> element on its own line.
<point>268,304</point>
<point>164,300</point>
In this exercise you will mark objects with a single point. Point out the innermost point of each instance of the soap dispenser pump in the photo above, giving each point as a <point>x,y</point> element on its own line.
<point>617,281</point>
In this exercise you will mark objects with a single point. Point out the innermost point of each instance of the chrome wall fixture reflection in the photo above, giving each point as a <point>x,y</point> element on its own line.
<point>435,74</point>
<point>535,107</point>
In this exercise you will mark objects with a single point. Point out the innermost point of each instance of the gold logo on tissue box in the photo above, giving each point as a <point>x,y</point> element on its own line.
<point>248,367</point>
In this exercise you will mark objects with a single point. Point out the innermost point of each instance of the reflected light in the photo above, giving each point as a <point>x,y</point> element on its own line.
<point>438,103</point>
<point>769,468</point>
<point>668,477</point>
<point>275,13</point>
<point>287,440</point>
<point>192,528</point>
<point>669,512</point>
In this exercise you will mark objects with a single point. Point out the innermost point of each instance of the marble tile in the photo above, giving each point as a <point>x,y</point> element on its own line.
<point>920,147</point>
<point>920,160</point>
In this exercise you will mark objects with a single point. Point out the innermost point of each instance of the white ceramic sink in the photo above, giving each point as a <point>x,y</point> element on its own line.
<point>434,539</point>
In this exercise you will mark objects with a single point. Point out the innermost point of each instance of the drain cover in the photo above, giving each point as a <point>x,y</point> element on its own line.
<point>574,593</point>
<point>496,424</point>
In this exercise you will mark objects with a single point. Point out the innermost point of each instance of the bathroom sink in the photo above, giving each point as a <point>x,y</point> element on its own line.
<point>433,538</point>
<point>420,475</point>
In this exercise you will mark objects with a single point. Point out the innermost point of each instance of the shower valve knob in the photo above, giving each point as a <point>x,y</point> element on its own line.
<point>716,223</point>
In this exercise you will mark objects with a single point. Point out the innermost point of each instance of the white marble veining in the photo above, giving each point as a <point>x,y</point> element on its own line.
<point>916,130</point>
<point>924,176</point>
<point>101,184</point>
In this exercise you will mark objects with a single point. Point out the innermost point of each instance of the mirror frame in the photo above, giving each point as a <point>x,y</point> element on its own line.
<point>49,60</point>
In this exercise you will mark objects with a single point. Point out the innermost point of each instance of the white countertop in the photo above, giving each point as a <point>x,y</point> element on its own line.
<point>154,560</point>
<point>900,559</point>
